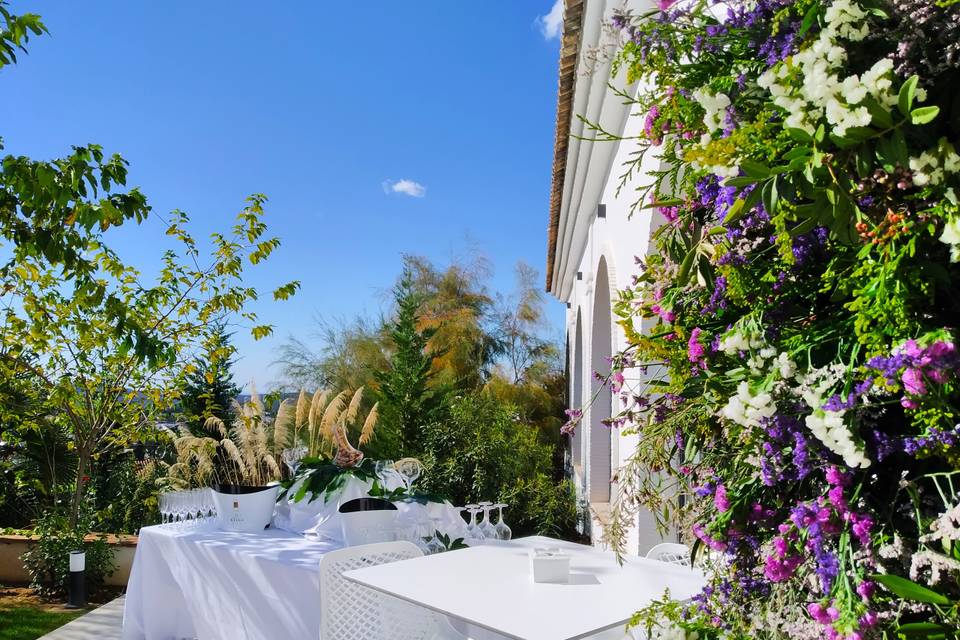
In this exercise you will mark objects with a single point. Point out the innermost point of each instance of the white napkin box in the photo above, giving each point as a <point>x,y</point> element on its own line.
<point>550,565</point>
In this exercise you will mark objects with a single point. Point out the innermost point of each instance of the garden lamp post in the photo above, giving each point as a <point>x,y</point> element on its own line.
<point>77,587</point>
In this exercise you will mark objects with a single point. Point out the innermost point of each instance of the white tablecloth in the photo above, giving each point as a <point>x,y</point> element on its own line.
<point>213,585</point>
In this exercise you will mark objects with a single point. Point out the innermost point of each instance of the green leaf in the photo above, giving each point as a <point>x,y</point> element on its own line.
<point>799,134</point>
<point>771,196</point>
<point>909,590</point>
<point>879,114</point>
<point>907,92</point>
<point>683,275</point>
<point>923,115</point>
<point>734,212</point>
<point>803,227</point>
<point>809,18</point>
<point>923,630</point>
<point>740,181</point>
<point>754,168</point>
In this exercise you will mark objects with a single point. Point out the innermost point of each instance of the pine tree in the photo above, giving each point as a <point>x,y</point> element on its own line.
<point>209,389</point>
<point>408,402</point>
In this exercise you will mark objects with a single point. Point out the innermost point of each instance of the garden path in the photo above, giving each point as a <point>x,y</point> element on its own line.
<point>103,623</point>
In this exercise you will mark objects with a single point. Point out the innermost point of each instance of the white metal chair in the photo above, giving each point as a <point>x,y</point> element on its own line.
<point>671,552</point>
<point>349,611</point>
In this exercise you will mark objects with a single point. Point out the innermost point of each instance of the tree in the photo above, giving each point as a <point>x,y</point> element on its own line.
<point>107,382</point>
<point>107,350</point>
<point>456,308</point>
<point>349,353</point>
<point>407,401</point>
<point>520,323</point>
<point>208,389</point>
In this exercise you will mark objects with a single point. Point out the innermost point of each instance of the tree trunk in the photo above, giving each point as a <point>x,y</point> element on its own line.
<point>83,464</point>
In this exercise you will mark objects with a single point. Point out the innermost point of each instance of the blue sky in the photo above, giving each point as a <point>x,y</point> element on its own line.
<point>375,129</point>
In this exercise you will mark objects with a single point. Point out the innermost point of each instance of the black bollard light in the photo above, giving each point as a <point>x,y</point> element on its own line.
<point>77,587</point>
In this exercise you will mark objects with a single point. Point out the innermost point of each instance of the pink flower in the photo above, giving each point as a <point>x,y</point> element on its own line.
<point>720,500</point>
<point>665,4</point>
<point>695,350</point>
<point>865,589</point>
<point>913,382</point>
<point>616,381</point>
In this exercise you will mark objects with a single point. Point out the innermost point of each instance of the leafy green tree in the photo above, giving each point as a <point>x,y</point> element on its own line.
<point>208,389</point>
<point>106,383</point>
<point>408,402</point>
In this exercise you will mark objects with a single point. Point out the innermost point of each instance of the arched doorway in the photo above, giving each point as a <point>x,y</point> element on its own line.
<point>601,347</point>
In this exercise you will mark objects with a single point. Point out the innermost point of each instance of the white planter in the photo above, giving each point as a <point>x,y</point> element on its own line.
<point>249,511</point>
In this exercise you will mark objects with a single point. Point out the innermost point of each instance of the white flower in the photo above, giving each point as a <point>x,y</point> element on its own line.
<point>786,366</point>
<point>810,86</point>
<point>714,107</point>
<point>951,236</point>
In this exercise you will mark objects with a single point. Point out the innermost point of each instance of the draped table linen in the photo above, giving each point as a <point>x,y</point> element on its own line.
<point>220,585</point>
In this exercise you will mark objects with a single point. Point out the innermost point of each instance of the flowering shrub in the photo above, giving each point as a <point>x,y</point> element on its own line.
<point>807,294</point>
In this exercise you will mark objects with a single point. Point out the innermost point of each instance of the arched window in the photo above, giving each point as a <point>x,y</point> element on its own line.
<point>601,347</point>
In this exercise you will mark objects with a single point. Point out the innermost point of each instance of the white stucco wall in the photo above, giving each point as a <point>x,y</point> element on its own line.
<point>588,246</point>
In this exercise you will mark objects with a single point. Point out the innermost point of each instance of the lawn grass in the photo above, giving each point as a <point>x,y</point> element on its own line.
<point>29,623</point>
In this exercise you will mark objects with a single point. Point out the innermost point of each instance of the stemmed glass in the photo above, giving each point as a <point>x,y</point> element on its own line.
<point>383,469</point>
<point>163,505</point>
<point>473,530</point>
<point>409,470</point>
<point>292,458</point>
<point>486,528</point>
<point>502,530</point>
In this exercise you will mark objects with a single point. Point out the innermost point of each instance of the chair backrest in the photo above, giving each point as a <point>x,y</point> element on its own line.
<point>349,611</point>
<point>671,552</point>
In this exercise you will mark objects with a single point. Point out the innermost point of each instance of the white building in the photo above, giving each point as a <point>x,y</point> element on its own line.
<point>592,248</point>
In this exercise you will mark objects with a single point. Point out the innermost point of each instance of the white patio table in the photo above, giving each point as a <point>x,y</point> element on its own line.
<point>220,585</point>
<point>490,588</point>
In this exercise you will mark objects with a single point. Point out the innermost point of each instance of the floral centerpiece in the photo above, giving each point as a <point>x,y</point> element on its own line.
<point>804,291</point>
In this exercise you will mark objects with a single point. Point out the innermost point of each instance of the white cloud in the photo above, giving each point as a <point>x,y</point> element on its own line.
<point>551,25</point>
<point>406,187</point>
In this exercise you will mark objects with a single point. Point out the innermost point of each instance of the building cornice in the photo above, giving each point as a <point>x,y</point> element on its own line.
<point>569,54</point>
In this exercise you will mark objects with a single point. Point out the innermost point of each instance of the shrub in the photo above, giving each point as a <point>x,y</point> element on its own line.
<point>48,560</point>
<point>482,452</point>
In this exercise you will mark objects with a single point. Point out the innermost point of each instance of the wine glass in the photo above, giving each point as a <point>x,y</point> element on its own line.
<point>473,530</point>
<point>383,469</point>
<point>409,470</point>
<point>292,458</point>
<point>502,530</point>
<point>488,530</point>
